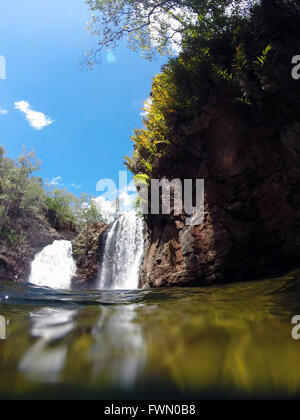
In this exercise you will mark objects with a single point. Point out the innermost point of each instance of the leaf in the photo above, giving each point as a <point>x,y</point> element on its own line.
<point>129,163</point>
<point>142,179</point>
<point>261,60</point>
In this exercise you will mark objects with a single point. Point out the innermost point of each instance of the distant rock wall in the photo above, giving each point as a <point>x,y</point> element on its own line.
<point>32,234</point>
<point>88,255</point>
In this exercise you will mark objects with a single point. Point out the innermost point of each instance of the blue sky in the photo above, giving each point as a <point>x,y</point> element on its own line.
<point>93,112</point>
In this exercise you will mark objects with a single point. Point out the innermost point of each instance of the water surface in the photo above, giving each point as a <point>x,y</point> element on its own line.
<point>228,341</point>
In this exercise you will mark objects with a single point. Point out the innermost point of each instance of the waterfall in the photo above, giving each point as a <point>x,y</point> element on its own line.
<point>54,266</point>
<point>123,252</point>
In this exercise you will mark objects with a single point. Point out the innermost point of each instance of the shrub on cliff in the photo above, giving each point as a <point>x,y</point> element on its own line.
<point>60,207</point>
<point>24,196</point>
<point>19,191</point>
<point>248,58</point>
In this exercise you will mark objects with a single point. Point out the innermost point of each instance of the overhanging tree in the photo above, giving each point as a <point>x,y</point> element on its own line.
<point>159,26</point>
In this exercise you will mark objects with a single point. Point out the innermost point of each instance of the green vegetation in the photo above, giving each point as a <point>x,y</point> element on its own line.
<point>112,21</point>
<point>24,196</point>
<point>221,49</point>
<point>19,192</point>
<point>218,53</point>
<point>61,204</point>
<point>86,215</point>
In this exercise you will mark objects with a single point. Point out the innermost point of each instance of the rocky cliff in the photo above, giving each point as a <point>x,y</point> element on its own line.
<point>32,234</point>
<point>88,252</point>
<point>248,153</point>
<point>29,235</point>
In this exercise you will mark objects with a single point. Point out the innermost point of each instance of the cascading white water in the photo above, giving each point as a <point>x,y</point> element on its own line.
<point>54,266</point>
<point>123,252</point>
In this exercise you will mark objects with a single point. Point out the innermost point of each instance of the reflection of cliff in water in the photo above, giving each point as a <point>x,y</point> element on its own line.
<point>227,341</point>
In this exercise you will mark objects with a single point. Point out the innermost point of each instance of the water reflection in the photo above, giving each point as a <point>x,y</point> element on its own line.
<point>45,361</point>
<point>2,328</point>
<point>52,323</point>
<point>233,340</point>
<point>116,348</point>
<point>119,345</point>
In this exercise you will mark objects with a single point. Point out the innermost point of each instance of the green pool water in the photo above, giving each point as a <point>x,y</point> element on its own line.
<point>230,341</point>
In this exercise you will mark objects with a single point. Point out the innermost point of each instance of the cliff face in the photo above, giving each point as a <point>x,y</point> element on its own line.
<point>252,197</point>
<point>30,236</point>
<point>88,253</point>
<point>32,233</point>
<point>249,157</point>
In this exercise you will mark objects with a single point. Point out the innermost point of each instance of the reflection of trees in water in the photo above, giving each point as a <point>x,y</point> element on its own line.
<point>119,351</point>
<point>231,339</point>
<point>43,362</point>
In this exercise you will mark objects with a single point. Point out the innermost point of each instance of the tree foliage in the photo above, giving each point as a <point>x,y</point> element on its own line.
<point>23,196</point>
<point>18,191</point>
<point>87,214</point>
<point>227,60</point>
<point>86,211</point>
<point>159,26</point>
<point>62,203</point>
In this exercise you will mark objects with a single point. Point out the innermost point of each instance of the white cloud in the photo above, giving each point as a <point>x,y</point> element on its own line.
<point>127,200</point>
<point>56,181</point>
<point>146,108</point>
<point>3,111</point>
<point>37,120</point>
<point>107,208</point>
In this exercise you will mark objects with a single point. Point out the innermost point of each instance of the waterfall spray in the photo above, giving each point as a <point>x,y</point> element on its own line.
<point>123,253</point>
<point>54,266</point>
